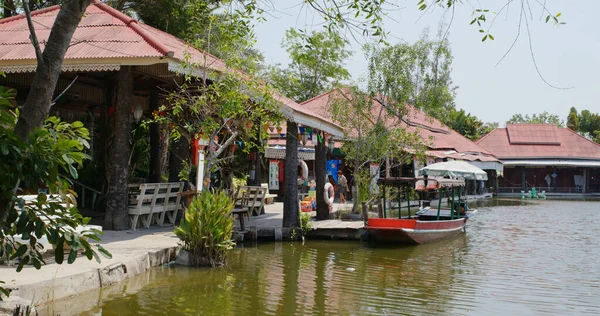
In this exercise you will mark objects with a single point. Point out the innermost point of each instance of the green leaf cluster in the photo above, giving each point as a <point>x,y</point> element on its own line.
<point>48,158</point>
<point>417,74</point>
<point>357,16</point>
<point>537,118</point>
<point>206,231</point>
<point>585,123</point>
<point>317,64</point>
<point>466,124</point>
<point>420,74</point>
<point>223,103</point>
<point>373,133</point>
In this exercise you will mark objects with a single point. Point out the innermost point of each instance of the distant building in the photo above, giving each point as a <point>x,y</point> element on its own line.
<point>544,156</point>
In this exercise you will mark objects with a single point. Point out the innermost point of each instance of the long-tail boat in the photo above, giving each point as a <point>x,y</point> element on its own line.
<point>428,224</point>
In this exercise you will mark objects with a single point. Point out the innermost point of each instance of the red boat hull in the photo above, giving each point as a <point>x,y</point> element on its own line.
<point>412,231</point>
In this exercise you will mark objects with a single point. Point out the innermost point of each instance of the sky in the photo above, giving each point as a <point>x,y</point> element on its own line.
<point>567,56</point>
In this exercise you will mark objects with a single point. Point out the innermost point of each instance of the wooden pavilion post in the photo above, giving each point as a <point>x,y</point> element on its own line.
<point>440,203</point>
<point>290,201</point>
<point>408,191</point>
<point>116,216</point>
<point>452,205</point>
<point>384,202</point>
<point>255,166</point>
<point>320,180</point>
<point>400,201</point>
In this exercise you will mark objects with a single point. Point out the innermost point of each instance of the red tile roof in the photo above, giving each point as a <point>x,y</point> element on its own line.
<point>106,33</point>
<point>443,141</point>
<point>102,33</point>
<point>541,134</point>
<point>519,141</point>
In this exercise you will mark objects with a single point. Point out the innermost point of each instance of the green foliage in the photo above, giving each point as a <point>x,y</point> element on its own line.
<point>221,104</point>
<point>466,124</point>
<point>573,120</point>
<point>305,223</point>
<point>418,74</point>
<point>363,16</point>
<point>317,64</point>
<point>372,133</point>
<point>240,181</point>
<point>49,157</point>
<point>585,123</point>
<point>541,118</point>
<point>480,14</point>
<point>589,122</point>
<point>139,161</point>
<point>207,229</point>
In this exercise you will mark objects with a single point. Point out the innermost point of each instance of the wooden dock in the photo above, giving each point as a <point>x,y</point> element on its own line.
<point>269,225</point>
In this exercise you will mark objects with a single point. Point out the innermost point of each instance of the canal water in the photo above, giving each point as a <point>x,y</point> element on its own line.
<point>515,259</point>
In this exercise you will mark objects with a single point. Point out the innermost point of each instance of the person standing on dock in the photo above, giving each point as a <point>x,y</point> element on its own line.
<point>343,186</point>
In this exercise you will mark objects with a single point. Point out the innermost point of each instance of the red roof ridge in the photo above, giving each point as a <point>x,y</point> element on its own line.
<point>574,132</point>
<point>173,37</point>
<point>549,124</point>
<point>318,96</point>
<point>488,134</point>
<point>132,23</point>
<point>34,13</point>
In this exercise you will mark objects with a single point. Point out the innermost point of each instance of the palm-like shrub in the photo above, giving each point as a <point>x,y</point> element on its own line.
<point>206,231</point>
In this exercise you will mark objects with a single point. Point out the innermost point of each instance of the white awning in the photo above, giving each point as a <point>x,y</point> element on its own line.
<point>553,163</point>
<point>489,165</point>
<point>455,169</point>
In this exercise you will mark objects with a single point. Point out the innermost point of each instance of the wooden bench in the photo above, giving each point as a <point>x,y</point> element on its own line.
<point>248,200</point>
<point>151,202</point>
<point>269,198</point>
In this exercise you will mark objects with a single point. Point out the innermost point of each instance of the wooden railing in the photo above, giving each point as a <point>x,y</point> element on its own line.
<point>81,190</point>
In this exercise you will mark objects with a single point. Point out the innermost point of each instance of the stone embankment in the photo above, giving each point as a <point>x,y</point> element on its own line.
<point>134,252</point>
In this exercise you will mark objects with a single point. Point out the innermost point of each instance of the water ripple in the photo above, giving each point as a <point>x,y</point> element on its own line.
<point>525,259</point>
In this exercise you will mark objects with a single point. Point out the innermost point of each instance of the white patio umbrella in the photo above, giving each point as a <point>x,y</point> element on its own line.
<point>454,169</point>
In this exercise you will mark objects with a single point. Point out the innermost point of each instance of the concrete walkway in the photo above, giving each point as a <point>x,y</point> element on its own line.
<point>134,252</point>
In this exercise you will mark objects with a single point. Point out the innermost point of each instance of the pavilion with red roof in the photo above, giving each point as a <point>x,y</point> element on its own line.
<point>443,143</point>
<point>545,156</point>
<point>105,43</point>
<point>106,40</point>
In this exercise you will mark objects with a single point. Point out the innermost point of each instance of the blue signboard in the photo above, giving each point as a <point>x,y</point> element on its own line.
<point>332,168</point>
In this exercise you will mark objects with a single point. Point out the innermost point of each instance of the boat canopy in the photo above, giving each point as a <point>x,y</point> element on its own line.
<point>454,169</point>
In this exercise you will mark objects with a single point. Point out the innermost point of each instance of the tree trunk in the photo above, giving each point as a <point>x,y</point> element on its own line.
<point>356,186</point>
<point>155,159</point>
<point>290,201</point>
<point>321,179</point>
<point>39,100</point>
<point>179,153</point>
<point>254,164</point>
<point>118,159</point>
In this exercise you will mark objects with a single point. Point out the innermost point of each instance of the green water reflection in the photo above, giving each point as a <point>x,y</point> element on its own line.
<point>520,258</point>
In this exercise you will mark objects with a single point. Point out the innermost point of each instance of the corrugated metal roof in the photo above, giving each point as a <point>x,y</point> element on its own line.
<point>566,143</point>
